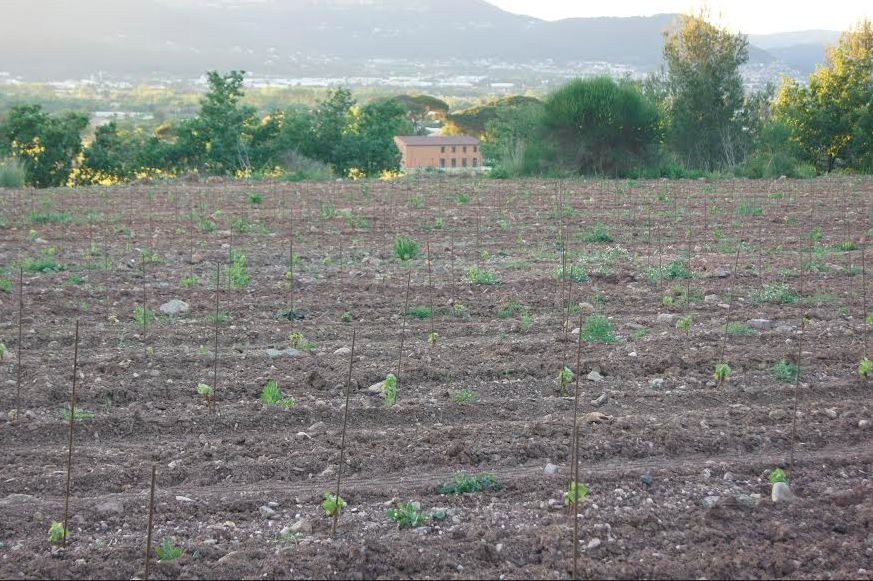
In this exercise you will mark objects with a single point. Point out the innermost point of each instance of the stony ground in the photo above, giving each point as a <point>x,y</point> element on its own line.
<point>676,466</point>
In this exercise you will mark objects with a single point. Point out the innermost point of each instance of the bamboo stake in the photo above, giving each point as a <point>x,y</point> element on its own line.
<point>70,445</point>
<point>430,286</point>
<point>148,547</point>
<point>863,292</point>
<point>403,329</point>
<point>18,366</point>
<point>796,385</point>
<point>215,350</point>
<point>339,474</point>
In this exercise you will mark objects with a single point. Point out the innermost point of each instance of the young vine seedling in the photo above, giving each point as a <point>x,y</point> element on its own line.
<point>208,393</point>
<point>722,373</point>
<point>576,492</point>
<point>865,369</point>
<point>167,552</point>
<point>389,389</point>
<point>57,533</point>
<point>332,504</point>
<point>565,376</point>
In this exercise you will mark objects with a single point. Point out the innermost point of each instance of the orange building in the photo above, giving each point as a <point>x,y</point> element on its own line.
<point>457,153</point>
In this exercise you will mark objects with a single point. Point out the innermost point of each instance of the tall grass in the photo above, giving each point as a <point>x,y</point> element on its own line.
<point>12,174</point>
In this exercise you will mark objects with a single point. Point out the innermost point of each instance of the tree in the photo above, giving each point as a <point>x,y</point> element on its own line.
<point>420,108</point>
<point>47,145</point>
<point>832,117</point>
<point>329,122</point>
<point>513,142</point>
<point>473,121</point>
<point>369,140</point>
<point>705,91</point>
<point>602,126</point>
<point>218,139</point>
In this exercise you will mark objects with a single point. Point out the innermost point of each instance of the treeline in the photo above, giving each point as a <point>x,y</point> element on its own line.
<point>693,118</point>
<point>689,119</point>
<point>226,137</point>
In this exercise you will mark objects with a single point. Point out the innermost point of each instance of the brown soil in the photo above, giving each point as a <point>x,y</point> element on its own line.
<point>649,468</point>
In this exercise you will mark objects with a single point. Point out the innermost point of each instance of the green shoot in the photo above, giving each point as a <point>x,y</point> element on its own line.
<point>57,533</point>
<point>597,329</point>
<point>575,493</point>
<point>464,483</point>
<point>271,396</point>
<point>432,339</point>
<point>167,552</point>
<point>463,396</point>
<point>3,351</point>
<point>684,324</point>
<point>333,504</point>
<point>778,475</point>
<point>865,369</point>
<point>208,393</point>
<point>722,373</point>
<point>389,388</point>
<point>405,249</point>
<point>476,276</point>
<point>143,317</point>
<point>785,371</point>
<point>407,515</point>
<point>565,376</point>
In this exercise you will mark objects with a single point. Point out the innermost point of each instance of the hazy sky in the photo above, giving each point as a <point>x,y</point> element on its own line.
<point>749,16</point>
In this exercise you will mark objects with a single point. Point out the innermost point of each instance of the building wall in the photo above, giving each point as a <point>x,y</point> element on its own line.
<point>414,156</point>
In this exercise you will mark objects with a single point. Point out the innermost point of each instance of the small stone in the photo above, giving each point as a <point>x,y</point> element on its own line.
<point>377,388</point>
<point>656,383</point>
<point>748,500</point>
<point>729,476</point>
<point>596,418</point>
<point>711,501</point>
<point>184,499</point>
<point>864,424</point>
<point>600,400</point>
<point>782,493</point>
<point>761,324</point>
<point>421,531</point>
<point>343,351</point>
<point>723,272</point>
<point>174,307</point>
<point>16,499</point>
<point>647,480</point>
<point>267,512</point>
<point>586,308</point>
<point>302,526</point>
<point>710,299</point>
<point>831,413</point>
<point>777,415</point>
<point>274,353</point>
<point>593,544</point>
<point>550,469</point>
<point>666,319</point>
<point>317,428</point>
<point>594,376</point>
<point>196,258</point>
<point>110,507</point>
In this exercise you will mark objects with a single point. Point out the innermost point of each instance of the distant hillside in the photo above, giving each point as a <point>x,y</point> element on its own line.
<point>42,39</point>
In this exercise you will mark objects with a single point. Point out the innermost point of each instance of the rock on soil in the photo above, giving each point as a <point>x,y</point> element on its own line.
<point>174,307</point>
<point>782,493</point>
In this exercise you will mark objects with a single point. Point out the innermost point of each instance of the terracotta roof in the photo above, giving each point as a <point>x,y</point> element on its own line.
<point>450,140</point>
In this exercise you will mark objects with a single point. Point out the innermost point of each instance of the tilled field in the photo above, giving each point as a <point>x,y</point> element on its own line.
<point>676,466</point>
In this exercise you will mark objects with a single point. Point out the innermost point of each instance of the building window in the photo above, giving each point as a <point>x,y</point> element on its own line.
<point>454,149</point>
<point>464,162</point>
<point>442,162</point>
<point>475,149</point>
<point>443,149</point>
<point>454,162</point>
<point>475,162</point>
<point>465,149</point>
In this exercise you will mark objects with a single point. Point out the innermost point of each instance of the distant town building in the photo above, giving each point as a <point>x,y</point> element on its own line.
<point>458,153</point>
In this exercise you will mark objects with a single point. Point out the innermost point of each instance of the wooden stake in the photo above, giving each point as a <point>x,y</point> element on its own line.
<point>18,366</point>
<point>215,350</point>
<point>403,329</point>
<point>796,385</point>
<point>430,287</point>
<point>863,293</point>
<point>339,473</point>
<point>70,445</point>
<point>148,547</point>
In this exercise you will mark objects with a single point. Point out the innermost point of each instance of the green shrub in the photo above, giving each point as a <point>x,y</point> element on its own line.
<point>405,249</point>
<point>785,371</point>
<point>463,483</point>
<point>775,293</point>
<point>600,235</point>
<point>12,174</point>
<point>419,312</point>
<point>573,272</point>
<point>476,276</point>
<point>597,329</point>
